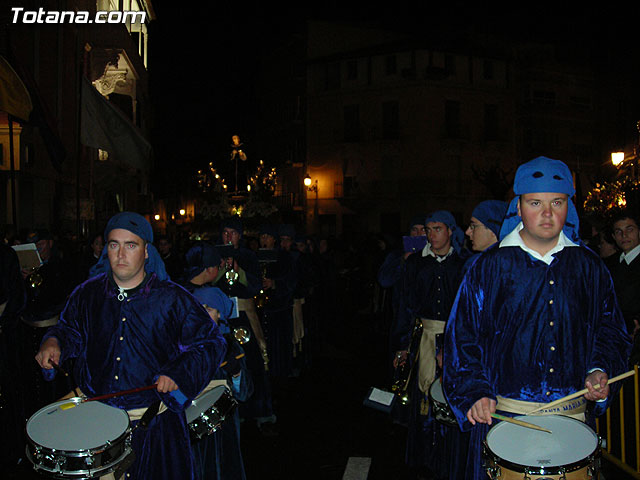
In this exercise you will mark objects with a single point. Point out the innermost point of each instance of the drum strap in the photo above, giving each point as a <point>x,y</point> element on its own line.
<point>49,322</point>
<point>572,408</point>
<point>426,358</point>
<point>298,324</point>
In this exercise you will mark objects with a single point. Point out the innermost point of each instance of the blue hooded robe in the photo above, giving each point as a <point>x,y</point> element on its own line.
<point>527,330</point>
<point>122,342</point>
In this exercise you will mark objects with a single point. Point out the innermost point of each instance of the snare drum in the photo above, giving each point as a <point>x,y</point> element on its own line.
<point>86,441</point>
<point>439,406</point>
<point>571,452</point>
<point>207,412</point>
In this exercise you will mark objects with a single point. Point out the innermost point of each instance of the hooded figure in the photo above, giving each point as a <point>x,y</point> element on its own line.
<point>535,318</point>
<point>125,334</point>
<point>138,225</point>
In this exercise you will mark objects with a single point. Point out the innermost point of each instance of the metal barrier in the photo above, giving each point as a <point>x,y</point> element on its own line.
<point>619,438</point>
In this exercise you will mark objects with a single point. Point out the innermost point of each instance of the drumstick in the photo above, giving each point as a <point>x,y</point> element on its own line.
<point>519,422</point>
<point>238,357</point>
<point>579,393</point>
<point>67,406</point>
<point>64,372</point>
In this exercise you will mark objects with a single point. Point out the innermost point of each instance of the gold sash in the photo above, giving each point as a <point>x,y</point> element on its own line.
<point>49,322</point>
<point>427,353</point>
<point>298,324</point>
<point>247,306</point>
<point>571,408</point>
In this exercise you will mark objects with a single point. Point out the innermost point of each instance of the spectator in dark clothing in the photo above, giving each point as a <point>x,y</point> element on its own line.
<point>173,261</point>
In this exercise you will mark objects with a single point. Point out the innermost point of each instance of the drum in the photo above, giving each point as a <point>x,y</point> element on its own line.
<point>86,441</point>
<point>571,452</point>
<point>439,406</point>
<point>207,412</point>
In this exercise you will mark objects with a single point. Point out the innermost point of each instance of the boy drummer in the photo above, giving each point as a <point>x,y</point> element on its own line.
<point>536,316</point>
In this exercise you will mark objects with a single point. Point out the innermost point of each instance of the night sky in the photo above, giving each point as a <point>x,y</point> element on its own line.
<point>203,60</point>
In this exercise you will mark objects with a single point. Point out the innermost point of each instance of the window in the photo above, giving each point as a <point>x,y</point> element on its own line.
<point>543,97</point>
<point>352,70</point>
<point>390,65</point>
<point>450,64</point>
<point>351,123</point>
<point>332,79</point>
<point>491,122</point>
<point>452,118</point>
<point>487,70</point>
<point>390,120</point>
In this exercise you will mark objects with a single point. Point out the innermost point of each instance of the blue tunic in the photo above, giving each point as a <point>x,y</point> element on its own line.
<point>159,329</point>
<point>522,329</point>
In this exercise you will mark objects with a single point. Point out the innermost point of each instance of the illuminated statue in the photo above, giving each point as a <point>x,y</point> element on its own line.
<point>237,153</point>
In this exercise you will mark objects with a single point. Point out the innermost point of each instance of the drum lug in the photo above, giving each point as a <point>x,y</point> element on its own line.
<point>494,472</point>
<point>528,472</point>
<point>59,461</point>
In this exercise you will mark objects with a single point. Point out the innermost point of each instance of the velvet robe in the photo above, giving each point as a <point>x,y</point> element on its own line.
<point>428,291</point>
<point>219,456</point>
<point>277,314</point>
<point>158,329</point>
<point>259,405</point>
<point>522,329</point>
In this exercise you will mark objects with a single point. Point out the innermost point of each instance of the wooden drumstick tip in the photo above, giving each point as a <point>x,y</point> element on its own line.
<point>519,422</point>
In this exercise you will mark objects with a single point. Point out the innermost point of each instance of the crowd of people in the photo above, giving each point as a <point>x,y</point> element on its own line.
<point>524,315</point>
<point>130,310</point>
<point>513,311</point>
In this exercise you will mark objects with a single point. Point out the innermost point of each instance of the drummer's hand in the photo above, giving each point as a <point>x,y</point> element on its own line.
<point>595,378</point>
<point>165,384</point>
<point>49,350</point>
<point>481,411</point>
<point>400,358</point>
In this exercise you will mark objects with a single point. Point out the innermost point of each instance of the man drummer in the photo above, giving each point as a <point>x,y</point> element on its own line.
<point>536,316</point>
<point>131,327</point>
<point>429,284</point>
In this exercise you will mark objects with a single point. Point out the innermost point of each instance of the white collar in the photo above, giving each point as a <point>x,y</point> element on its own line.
<point>427,252</point>
<point>513,239</point>
<point>630,257</point>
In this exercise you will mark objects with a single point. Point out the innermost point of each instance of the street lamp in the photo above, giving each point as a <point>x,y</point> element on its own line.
<point>617,158</point>
<point>312,187</point>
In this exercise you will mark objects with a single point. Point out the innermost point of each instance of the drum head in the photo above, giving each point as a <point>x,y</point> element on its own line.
<point>86,426</point>
<point>436,391</point>
<point>203,402</point>
<point>570,442</point>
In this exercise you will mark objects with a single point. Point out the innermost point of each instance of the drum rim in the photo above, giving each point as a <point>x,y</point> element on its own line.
<point>124,449</point>
<point>553,470</point>
<point>194,407</point>
<point>535,470</point>
<point>83,452</point>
